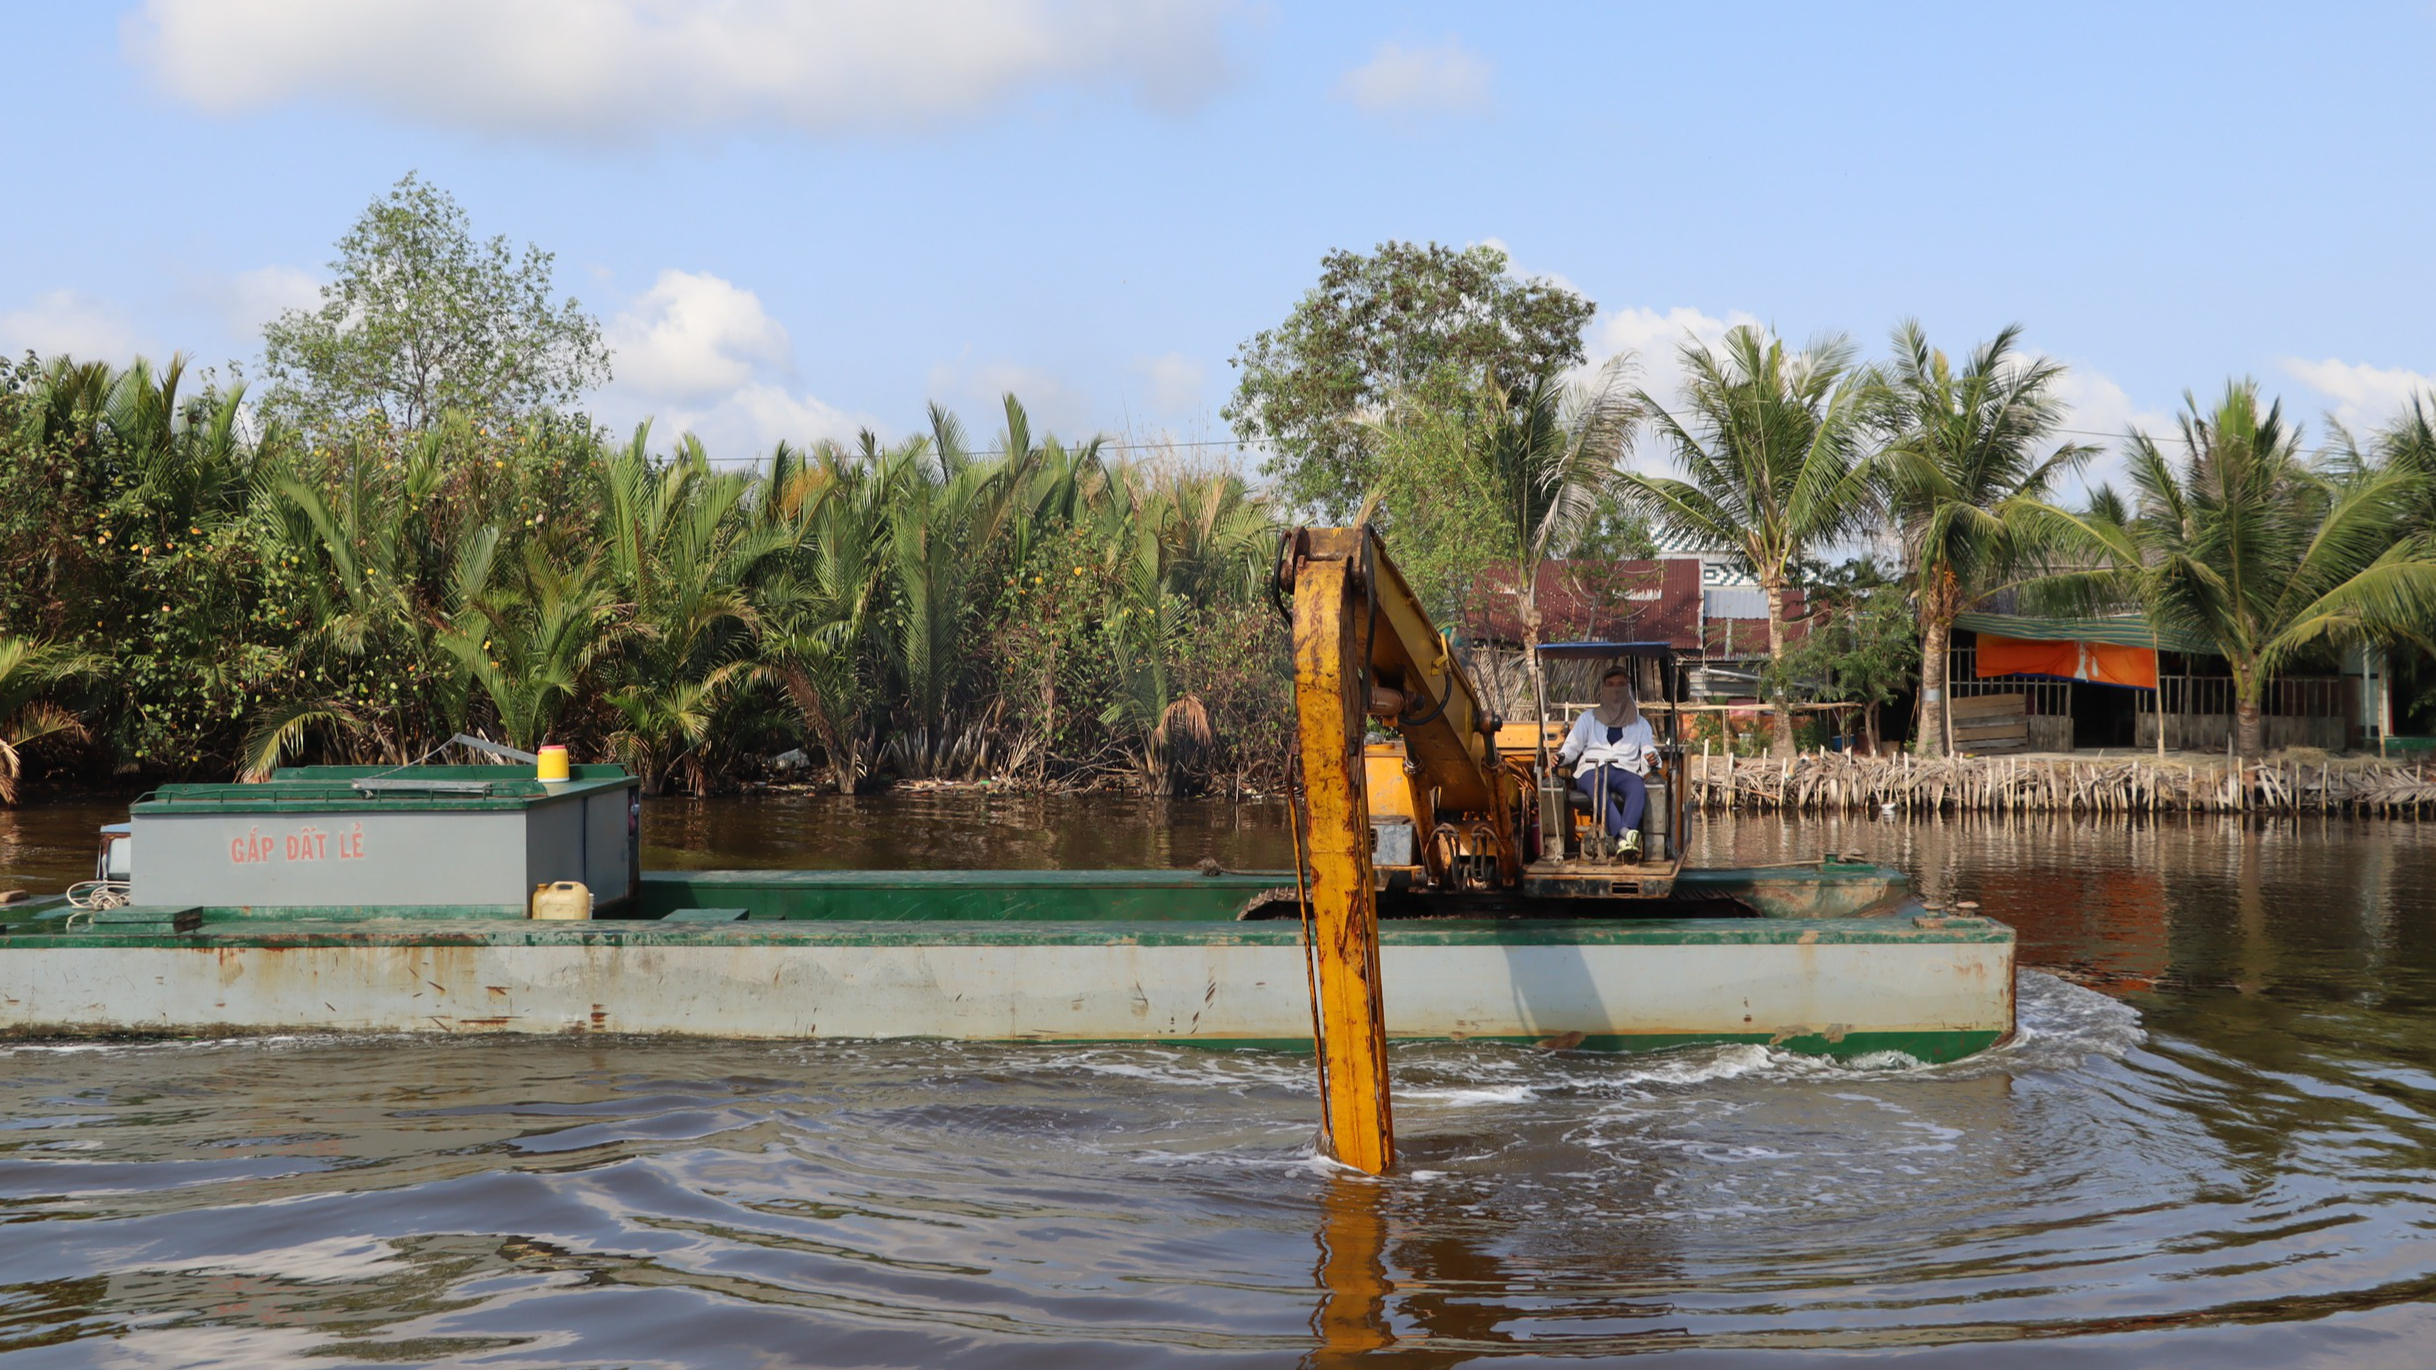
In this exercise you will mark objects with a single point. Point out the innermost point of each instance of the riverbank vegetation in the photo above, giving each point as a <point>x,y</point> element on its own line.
<point>409,529</point>
<point>212,602</point>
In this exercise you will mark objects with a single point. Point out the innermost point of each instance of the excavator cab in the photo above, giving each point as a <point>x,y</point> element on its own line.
<point>1570,852</point>
<point>1409,776</point>
<point>1571,671</point>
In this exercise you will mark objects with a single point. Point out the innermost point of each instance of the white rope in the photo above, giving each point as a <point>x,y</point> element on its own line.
<point>92,896</point>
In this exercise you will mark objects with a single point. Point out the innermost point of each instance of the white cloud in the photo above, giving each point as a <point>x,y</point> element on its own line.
<point>757,417</point>
<point>693,335</point>
<point>697,353</point>
<point>2101,413</point>
<point>2362,396</point>
<point>1656,340</point>
<point>71,323</point>
<point>1175,383</point>
<point>1659,338</point>
<point>598,68</point>
<point>1416,79</point>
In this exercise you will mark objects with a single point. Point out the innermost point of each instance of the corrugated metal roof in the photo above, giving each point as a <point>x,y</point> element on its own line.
<point>2122,630</point>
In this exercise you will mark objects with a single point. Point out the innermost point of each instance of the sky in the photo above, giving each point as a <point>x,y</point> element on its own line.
<point>797,219</point>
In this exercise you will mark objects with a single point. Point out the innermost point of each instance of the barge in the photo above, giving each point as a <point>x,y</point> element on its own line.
<point>353,900</point>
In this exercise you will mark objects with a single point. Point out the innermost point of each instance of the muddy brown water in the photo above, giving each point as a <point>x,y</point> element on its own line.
<point>2214,1143</point>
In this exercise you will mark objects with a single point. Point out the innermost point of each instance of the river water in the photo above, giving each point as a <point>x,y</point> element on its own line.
<point>2212,1144</point>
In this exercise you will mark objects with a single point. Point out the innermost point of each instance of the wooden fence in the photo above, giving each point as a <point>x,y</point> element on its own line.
<point>1837,782</point>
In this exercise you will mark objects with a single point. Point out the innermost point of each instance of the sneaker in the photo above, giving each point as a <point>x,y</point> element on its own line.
<point>1632,846</point>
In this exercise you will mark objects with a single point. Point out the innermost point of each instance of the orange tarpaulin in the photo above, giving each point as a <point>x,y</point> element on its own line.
<point>2100,662</point>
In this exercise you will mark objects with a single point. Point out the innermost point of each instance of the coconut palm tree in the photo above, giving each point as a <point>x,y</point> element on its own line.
<point>1772,443</point>
<point>1965,451</point>
<point>28,670</point>
<point>1553,454</point>
<point>2408,443</point>
<point>2243,543</point>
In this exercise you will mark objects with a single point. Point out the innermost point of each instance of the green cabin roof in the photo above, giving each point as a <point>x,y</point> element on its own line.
<point>380,789</point>
<point>2119,630</point>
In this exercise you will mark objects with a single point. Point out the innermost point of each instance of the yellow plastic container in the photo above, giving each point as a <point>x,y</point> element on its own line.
<point>562,900</point>
<point>553,765</point>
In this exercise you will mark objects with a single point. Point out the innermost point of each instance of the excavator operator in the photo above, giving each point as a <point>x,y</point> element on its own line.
<point>1610,749</point>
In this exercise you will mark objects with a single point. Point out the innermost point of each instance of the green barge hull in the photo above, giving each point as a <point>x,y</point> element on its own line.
<point>1139,957</point>
<point>358,900</point>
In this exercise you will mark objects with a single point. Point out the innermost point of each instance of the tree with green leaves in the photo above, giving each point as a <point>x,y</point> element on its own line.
<point>2242,542</point>
<point>818,612</point>
<point>1036,612</point>
<point>1380,325</point>
<point>29,670</point>
<point>1478,484</point>
<point>1863,646</point>
<point>1773,444</point>
<point>1966,450</point>
<point>1438,502</point>
<point>685,553</point>
<point>422,318</point>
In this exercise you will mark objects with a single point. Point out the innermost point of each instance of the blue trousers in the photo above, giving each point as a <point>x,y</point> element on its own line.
<point>1627,795</point>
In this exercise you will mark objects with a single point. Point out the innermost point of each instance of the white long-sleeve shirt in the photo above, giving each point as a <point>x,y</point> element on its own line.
<point>1587,744</point>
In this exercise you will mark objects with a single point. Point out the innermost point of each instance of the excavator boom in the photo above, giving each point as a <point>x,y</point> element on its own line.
<point>1364,647</point>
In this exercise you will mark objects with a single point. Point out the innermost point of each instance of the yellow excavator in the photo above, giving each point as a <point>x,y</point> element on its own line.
<point>1458,812</point>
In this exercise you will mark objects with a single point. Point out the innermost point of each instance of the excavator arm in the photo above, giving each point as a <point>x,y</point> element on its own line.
<point>1365,648</point>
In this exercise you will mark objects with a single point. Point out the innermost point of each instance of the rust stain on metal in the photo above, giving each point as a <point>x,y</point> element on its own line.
<point>1563,1041</point>
<point>1335,823</point>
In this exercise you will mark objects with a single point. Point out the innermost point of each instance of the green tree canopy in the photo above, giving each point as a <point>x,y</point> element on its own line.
<point>1384,325</point>
<point>1862,648</point>
<point>420,319</point>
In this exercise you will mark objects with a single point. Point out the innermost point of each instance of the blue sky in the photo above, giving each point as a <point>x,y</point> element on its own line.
<point>798,218</point>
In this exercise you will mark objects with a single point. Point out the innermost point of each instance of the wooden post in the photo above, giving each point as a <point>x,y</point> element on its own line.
<point>1330,649</point>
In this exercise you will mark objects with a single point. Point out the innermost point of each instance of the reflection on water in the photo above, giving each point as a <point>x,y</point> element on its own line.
<point>963,830</point>
<point>2211,1144</point>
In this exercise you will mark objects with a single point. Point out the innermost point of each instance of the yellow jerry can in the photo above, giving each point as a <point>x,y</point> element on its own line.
<point>562,899</point>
